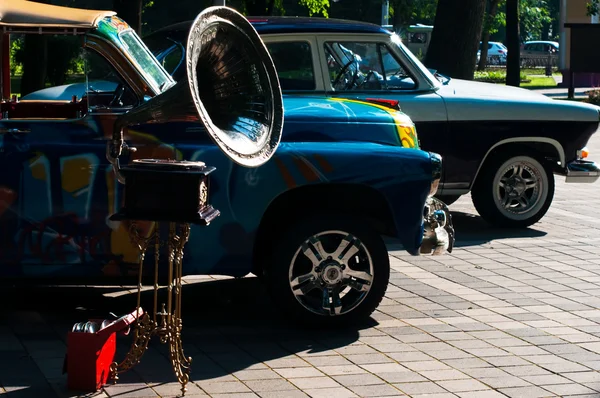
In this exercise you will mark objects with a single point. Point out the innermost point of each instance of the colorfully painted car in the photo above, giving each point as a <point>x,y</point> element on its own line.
<point>310,220</point>
<point>501,144</point>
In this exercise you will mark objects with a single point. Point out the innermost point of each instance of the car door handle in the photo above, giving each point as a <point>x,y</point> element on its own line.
<point>14,131</point>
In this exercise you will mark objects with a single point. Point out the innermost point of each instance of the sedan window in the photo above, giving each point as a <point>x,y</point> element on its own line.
<point>294,64</point>
<point>365,66</point>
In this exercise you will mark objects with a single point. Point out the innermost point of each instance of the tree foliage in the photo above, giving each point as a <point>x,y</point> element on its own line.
<point>489,27</point>
<point>316,7</point>
<point>593,7</point>
<point>535,19</point>
<point>533,16</point>
<point>406,12</point>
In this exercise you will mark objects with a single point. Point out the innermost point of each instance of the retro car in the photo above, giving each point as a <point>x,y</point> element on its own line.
<point>502,144</point>
<point>310,220</point>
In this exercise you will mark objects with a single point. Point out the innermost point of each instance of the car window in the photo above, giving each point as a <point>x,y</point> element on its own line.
<point>170,53</point>
<point>417,37</point>
<point>294,64</point>
<point>490,45</point>
<point>105,87</point>
<point>71,81</point>
<point>365,66</point>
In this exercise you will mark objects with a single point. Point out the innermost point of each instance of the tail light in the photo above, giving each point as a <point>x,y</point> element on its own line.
<point>394,104</point>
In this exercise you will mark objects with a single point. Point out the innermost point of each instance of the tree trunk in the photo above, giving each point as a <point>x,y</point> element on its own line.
<point>455,37</point>
<point>513,67</point>
<point>131,12</point>
<point>35,64</point>
<point>546,31</point>
<point>485,35</point>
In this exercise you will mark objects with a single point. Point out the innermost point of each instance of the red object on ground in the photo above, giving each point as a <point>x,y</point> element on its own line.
<point>89,355</point>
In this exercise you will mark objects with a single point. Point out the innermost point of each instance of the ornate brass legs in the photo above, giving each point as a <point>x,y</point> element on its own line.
<point>166,324</point>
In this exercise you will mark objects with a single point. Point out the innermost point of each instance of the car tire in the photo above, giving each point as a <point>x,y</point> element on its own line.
<point>290,269</point>
<point>448,199</point>
<point>513,190</point>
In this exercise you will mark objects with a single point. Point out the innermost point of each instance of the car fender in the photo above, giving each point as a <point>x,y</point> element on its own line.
<point>243,195</point>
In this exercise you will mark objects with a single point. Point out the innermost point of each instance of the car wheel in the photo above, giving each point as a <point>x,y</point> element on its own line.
<point>513,191</point>
<point>448,199</point>
<point>328,270</point>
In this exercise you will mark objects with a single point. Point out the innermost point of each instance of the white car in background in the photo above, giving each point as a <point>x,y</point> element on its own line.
<point>497,53</point>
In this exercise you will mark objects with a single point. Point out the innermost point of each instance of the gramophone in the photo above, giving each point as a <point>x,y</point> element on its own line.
<point>231,89</point>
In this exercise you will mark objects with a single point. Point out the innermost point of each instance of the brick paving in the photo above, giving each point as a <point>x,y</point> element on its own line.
<point>507,314</point>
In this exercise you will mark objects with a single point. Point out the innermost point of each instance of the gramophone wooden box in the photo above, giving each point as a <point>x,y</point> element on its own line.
<point>167,190</point>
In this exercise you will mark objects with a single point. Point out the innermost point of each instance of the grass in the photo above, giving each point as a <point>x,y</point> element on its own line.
<point>527,71</point>
<point>535,82</point>
<point>530,78</point>
<point>494,76</point>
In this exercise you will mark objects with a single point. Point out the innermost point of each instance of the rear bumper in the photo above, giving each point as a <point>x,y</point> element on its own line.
<point>438,233</point>
<point>582,171</point>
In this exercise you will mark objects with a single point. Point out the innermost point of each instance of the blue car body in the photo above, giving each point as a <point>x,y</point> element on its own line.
<point>58,190</point>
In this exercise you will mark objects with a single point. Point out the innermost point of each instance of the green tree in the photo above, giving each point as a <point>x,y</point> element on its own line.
<point>490,25</point>
<point>316,7</point>
<point>406,12</point>
<point>593,7</point>
<point>534,16</point>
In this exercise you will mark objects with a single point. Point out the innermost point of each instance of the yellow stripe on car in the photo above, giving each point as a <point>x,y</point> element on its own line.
<point>405,126</point>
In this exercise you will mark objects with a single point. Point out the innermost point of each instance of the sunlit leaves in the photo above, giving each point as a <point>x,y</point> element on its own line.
<point>316,7</point>
<point>593,7</point>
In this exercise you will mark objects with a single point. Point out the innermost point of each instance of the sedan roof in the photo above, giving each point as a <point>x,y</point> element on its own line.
<point>298,25</point>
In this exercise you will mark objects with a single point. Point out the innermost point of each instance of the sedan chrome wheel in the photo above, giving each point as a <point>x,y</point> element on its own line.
<point>521,187</point>
<point>513,189</point>
<point>331,273</point>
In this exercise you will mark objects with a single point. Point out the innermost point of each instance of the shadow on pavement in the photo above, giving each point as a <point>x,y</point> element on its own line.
<point>229,325</point>
<point>473,230</point>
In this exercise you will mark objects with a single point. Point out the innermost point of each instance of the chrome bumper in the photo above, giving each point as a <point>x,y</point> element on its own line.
<point>438,233</point>
<point>582,171</point>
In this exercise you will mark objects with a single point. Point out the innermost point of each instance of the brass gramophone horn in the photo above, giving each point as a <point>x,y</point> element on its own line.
<point>232,91</point>
<point>231,88</point>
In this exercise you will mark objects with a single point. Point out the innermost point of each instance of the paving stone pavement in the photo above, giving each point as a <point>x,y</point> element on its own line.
<point>508,313</point>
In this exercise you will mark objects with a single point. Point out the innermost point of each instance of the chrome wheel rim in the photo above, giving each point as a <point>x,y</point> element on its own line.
<point>331,273</point>
<point>520,188</point>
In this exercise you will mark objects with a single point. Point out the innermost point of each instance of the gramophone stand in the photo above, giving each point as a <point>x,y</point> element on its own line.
<point>167,323</point>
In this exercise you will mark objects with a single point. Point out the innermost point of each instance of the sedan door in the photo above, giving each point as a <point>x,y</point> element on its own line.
<point>297,60</point>
<point>389,75</point>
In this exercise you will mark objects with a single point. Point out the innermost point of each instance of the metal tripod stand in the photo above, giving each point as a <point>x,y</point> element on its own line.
<point>166,323</point>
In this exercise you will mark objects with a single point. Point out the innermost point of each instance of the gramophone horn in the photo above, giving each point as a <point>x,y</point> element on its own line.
<point>231,88</point>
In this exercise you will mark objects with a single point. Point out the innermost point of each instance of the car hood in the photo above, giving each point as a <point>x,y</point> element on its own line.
<point>306,118</point>
<point>470,100</point>
<point>67,91</point>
